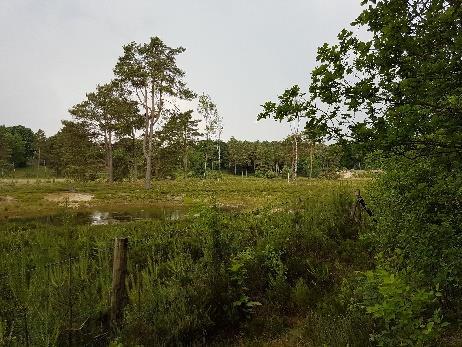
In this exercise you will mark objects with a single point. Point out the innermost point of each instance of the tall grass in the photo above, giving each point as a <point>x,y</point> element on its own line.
<point>204,279</point>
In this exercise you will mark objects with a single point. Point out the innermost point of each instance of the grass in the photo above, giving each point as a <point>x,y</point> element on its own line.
<point>266,273</point>
<point>30,172</point>
<point>28,197</point>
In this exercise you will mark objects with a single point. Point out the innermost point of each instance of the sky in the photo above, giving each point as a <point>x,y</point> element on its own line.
<point>240,52</point>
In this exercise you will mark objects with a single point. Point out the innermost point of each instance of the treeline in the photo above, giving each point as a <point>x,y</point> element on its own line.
<point>179,150</point>
<point>18,146</point>
<point>132,126</point>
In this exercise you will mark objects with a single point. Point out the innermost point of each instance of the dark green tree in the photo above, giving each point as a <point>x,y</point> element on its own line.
<point>180,134</point>
<point>72,153</point>
<point>22,145</point>
<point>108,112</point>
<point>400,91</point>
<point>5,150</point>
<point>405,81</point>
<point>150,70</point>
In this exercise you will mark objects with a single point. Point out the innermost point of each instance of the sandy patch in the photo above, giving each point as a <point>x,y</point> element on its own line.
<point>346,174</point>
<point>72,199</point>
<point>7,199</point>
<point>228,205</point>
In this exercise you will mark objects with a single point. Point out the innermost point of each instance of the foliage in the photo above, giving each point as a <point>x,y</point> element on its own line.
<point>150,71</point>
<point>191,280</point>
<point>71,152</point>
<point>16,146</point>
<point>329,326</point>
<point>208,110</point>
<point>22,145</point>
<point>405,315</point>
<point>177,151</point>
<point>397,95</point>
<point>108,112</point>
<point>402,79</point>
<point>213,128</point>
<point>5,149</point>
<point>419,224</point>
<point>176,142</point>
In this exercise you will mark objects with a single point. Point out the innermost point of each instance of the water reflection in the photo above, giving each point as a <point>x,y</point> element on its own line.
<point>102,218</point>
<point>110,217</point>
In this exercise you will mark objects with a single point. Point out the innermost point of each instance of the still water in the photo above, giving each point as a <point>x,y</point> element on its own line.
<point>101,217</point>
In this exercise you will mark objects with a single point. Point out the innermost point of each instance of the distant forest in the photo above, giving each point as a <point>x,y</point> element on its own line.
<point>132,127</point>
<point>180,150</point>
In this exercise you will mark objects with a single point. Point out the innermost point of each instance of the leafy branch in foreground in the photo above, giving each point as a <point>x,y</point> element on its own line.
<point>404,84</point>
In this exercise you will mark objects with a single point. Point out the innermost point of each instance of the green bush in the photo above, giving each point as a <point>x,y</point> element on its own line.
<point>190,280</point>
<point>405,315</point>
<point>302,296</point>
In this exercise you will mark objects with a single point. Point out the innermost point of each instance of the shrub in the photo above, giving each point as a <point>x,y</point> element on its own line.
<point>405,315</point>
<point>301,296</point>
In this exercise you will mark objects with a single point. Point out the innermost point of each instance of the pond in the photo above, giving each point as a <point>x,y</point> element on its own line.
<point>102,217</point>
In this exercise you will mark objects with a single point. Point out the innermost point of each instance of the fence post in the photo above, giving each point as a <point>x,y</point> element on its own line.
<point>119,296</point>
<point>70,298</point>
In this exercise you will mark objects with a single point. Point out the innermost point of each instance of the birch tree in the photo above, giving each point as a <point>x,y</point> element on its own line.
<point>219,132</point>
<point>150,70</point>
<point>213,125</point>
<point>291,108</point>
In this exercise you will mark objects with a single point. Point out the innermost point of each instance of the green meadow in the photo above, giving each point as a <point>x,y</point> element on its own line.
<point>251,261</point>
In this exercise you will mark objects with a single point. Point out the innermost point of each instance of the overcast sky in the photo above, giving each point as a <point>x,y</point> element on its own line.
<point>241,52</point>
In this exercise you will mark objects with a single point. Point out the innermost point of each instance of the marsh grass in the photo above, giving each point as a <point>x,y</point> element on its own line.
<point>212,277</point>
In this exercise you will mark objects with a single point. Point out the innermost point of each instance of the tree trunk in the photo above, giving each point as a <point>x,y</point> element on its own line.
<point>205,164</point>
<point>235,168</point>
<point>152,118</point>
<point>311,159</point>
<point>135,169</point>
<point>185,153</point>
<point>110,167</point>
<point>147,146</point>
<point>296,158</point>
<point>148,174</point>
<point>185,163</point>
<point>108,147</point>
<point>219,157</point>
<point>38,161</point>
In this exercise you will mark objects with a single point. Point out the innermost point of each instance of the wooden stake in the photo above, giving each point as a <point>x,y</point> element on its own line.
<point>119,296</point>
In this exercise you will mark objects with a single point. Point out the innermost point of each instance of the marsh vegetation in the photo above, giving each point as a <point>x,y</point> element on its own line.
<point>236,242</point>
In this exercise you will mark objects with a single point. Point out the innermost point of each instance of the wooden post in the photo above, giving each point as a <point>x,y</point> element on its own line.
<point>119,296</point>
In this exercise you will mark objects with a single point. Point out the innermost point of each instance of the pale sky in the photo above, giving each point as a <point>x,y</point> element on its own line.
<point>241,52</point>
